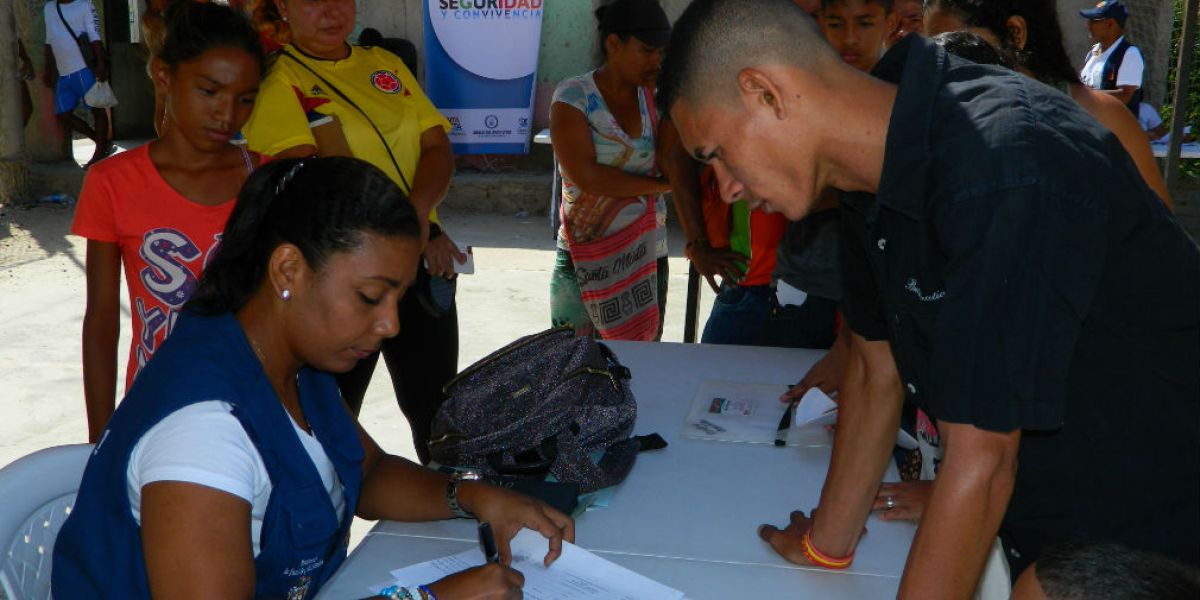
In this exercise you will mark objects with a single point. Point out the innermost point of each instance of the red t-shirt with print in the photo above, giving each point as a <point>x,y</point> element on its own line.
<point>165,240</point>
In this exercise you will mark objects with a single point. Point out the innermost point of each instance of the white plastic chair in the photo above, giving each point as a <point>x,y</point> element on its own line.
<point>38,492</point>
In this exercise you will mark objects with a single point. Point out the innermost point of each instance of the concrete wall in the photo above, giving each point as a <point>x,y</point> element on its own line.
<point>569,41</point>
<point>569,44</point>
<point>43,140</point>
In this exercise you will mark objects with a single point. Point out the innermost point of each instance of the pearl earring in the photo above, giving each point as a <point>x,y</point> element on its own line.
<point>285,294</point>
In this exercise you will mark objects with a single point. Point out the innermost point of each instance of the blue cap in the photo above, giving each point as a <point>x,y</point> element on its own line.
<point>1108,9</point>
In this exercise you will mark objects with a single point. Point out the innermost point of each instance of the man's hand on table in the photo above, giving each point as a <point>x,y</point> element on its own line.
<point>786,541</point>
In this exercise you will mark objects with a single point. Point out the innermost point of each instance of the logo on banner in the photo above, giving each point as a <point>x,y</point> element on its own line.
<point>469,31</point>
<point>491,122</point>
<point>386,82</point>
<point>456,124</point>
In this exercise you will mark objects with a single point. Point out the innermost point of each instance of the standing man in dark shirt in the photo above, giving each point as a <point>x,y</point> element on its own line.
<point>1004,265</point>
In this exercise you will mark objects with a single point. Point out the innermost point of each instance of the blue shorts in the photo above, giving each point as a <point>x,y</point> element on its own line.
<point>70,90</point>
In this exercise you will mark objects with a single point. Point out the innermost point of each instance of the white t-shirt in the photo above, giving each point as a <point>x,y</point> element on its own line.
<point>1148,117</point>
<point>82,18</point>
<point>203,443</point>
<point>1130,72</point>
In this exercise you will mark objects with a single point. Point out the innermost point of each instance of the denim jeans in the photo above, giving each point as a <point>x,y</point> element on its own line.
<point>739,316</point>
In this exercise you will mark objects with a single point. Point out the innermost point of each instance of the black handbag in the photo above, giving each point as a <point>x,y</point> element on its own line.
<point>81,40</point>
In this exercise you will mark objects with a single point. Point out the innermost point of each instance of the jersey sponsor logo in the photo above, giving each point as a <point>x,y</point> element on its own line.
<point>386,82</point>
<point>309,102</point>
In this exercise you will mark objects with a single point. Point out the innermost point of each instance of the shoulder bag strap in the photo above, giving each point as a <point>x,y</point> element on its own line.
<point>383,140</point>
<point>58,7</point>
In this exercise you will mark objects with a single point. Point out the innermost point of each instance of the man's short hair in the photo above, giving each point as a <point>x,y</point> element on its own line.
<point>885,4</point>
<point>1078,571</point>
<point>714,40</point>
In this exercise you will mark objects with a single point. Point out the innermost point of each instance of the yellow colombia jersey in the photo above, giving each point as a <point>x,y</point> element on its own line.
<point>292,98</point>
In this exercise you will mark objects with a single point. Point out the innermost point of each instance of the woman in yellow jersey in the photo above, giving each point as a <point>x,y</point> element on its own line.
<point>323,96</point>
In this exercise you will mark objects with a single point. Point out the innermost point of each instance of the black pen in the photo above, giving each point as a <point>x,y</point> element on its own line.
<point>487,543</point>
<point>785,423</point>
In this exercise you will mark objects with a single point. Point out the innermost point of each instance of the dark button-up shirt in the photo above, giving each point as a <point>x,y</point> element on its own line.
<point>1027,278</point>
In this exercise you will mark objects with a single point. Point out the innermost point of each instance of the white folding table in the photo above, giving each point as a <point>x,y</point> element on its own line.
<point>687,515</point>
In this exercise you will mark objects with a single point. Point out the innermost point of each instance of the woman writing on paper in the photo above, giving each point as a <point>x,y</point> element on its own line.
<point>232,469</point>
<point>323,96</point>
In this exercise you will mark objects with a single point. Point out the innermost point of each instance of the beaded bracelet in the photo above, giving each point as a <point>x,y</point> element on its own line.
<point>819,558</point>
<point>395,592</point>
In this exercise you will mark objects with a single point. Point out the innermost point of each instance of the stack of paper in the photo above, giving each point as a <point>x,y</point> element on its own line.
<point>576,575</point>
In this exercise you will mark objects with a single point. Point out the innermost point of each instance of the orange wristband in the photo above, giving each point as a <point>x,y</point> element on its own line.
<point>819,558</point>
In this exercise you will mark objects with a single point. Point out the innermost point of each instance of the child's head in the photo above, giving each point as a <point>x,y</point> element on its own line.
<point>332,242</point>
<point>857,29</point>
<point>208,71</point>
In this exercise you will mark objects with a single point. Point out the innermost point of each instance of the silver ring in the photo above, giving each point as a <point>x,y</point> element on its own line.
<point>889,502</point>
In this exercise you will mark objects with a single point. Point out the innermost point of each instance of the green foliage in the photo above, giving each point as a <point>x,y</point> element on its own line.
<point>1188,168</point>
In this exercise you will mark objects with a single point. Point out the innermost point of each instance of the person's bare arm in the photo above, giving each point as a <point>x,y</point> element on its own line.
<point>969,499</point>
<point>432,177</point>
<point>1116,118</point>
<point>576,154</point>
<point>101,330</point>
<point>869,403</point>
<point>196,542</point>
<point>868,417</point>
<point>301,151</point>
<point>1123,93</point>
<point>396,489</point>
<point>684,174</point>
<point>101,61</point>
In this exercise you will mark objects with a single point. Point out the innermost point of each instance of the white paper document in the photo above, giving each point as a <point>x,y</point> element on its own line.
<point>817,410</point>
<point>576,575</point>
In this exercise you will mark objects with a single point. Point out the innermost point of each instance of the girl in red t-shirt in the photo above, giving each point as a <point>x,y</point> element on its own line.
<point>159,210</point>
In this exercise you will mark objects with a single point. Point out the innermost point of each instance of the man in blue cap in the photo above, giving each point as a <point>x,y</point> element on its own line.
<point>1114,66</point>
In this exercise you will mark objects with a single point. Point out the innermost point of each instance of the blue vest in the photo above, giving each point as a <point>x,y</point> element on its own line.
<point>1108,75</point>
<point>98,553</point>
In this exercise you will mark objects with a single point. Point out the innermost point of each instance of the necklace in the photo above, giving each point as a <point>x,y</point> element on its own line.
<point>302,423</point>
<point>257,351</point>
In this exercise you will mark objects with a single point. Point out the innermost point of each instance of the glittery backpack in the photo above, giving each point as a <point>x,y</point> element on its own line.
<point>547,404</point>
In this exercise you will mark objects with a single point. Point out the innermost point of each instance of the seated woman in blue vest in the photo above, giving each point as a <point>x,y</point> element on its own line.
<point>233,469</point>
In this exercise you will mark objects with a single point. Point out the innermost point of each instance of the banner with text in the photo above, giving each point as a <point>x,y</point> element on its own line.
<point>480,66</point>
